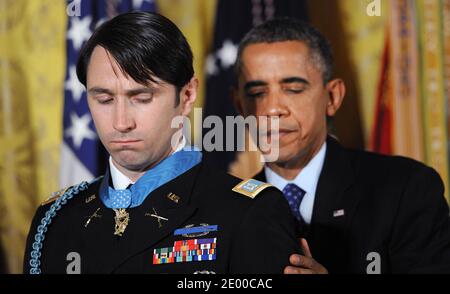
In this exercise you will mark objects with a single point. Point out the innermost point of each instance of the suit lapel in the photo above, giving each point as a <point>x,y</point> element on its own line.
<point>335,200</point>
<point>334,206</point>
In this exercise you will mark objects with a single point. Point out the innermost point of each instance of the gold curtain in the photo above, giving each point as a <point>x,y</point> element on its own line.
<point>32,50</point>
<point>195,18</point>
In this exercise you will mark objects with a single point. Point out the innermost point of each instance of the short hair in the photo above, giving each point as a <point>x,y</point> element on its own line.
<point>291,29</point>
<point>145,45</point>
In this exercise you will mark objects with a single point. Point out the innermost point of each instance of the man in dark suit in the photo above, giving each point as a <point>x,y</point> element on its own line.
<point>360,212</point>
<point>158,209</point>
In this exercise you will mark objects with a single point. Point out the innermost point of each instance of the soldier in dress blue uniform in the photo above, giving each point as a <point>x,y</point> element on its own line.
<point>158,208</point>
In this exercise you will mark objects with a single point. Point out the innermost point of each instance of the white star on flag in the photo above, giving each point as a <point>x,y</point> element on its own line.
<point>73,85</point>
<point>211,67</point>
<point>227,54</point>
<point>79,31</point>
<point>79,129</point>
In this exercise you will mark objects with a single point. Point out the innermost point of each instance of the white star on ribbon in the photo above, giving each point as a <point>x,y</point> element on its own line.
<point>227,54</point>
<point>211,67</point>
<point>79,31</point>
<point>73,85</point>
<point>79,130</point>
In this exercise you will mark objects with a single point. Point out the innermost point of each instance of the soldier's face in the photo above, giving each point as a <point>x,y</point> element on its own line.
<point>133,120</point>
<point>279,79</point>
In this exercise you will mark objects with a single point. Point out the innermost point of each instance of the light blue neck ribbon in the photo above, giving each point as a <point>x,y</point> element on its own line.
<point>165,171</point>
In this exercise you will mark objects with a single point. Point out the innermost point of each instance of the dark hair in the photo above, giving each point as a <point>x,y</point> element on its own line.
<point>291,29</point>
<point>145,45</point>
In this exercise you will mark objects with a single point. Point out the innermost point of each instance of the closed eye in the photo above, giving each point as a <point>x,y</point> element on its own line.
<point>145,99</point>
<point>295,91</point>
<point>255,93</point>
<point>104,100</point>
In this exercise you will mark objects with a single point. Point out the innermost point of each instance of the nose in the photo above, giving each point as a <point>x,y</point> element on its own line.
<point>123,119</point>
<point>274,105</point>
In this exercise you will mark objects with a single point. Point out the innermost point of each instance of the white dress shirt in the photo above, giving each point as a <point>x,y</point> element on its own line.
<point>307,179</point>
<point>121,181</point>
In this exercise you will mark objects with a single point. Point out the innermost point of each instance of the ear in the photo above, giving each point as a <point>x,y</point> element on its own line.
<point>188,95</point>
<point>336,93</point>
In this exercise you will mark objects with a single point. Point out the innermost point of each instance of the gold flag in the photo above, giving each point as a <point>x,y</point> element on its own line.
<point>364,36</point>
<point>32,50</point>
<point>446,27</point>
<point>195,18</point>
<point>432,86</point>
<point>406,109</point>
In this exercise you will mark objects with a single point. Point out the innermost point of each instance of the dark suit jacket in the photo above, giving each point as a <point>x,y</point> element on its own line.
<point>392,206</point>
<point>254,235</point>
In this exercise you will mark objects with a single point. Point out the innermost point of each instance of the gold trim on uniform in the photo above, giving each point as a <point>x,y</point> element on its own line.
<point>95,214</point>
<point>54,196</point>
<point>175,198</point>
<point>90,198</point>
<point>250,187</point>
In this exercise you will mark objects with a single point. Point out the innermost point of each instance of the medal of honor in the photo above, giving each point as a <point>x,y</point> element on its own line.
<point>122,219</point>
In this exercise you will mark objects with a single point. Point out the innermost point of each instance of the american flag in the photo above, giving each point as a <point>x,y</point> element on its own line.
<point>81,157</point>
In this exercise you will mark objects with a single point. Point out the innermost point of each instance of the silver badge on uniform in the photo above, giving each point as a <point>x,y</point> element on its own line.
<point>194,231</point>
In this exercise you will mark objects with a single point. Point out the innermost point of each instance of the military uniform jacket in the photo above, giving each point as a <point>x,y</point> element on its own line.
<point>378,214</point>
<point>253,235</point>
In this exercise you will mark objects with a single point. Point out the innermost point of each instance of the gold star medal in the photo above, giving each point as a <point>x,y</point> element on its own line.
<point>122,219</point>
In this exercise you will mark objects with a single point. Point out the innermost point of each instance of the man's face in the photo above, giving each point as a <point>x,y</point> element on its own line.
<point>279,79</point>
<point>133,121</point>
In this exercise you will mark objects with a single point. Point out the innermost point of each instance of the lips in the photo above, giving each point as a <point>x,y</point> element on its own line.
<point>280,132</point>
<point>128,141</point>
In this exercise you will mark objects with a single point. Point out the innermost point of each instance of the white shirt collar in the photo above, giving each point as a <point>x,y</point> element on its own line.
<point>121,181</point>
<point>307,179</point>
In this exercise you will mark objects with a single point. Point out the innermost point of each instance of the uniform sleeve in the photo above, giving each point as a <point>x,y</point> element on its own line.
<point>266,237</point>
<point>30,239</point>
<point>421,234</point>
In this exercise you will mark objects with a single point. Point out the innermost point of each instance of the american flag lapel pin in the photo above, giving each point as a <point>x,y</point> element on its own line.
<point>338,213</point>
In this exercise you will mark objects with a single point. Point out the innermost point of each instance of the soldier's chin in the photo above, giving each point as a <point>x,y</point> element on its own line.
<point>130,160</point>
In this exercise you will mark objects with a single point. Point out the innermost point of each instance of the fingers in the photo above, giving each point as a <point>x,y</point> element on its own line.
<point>302,261</point>
<point>291,270</point>
<point>305,247</point>
<point>304,264</point>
